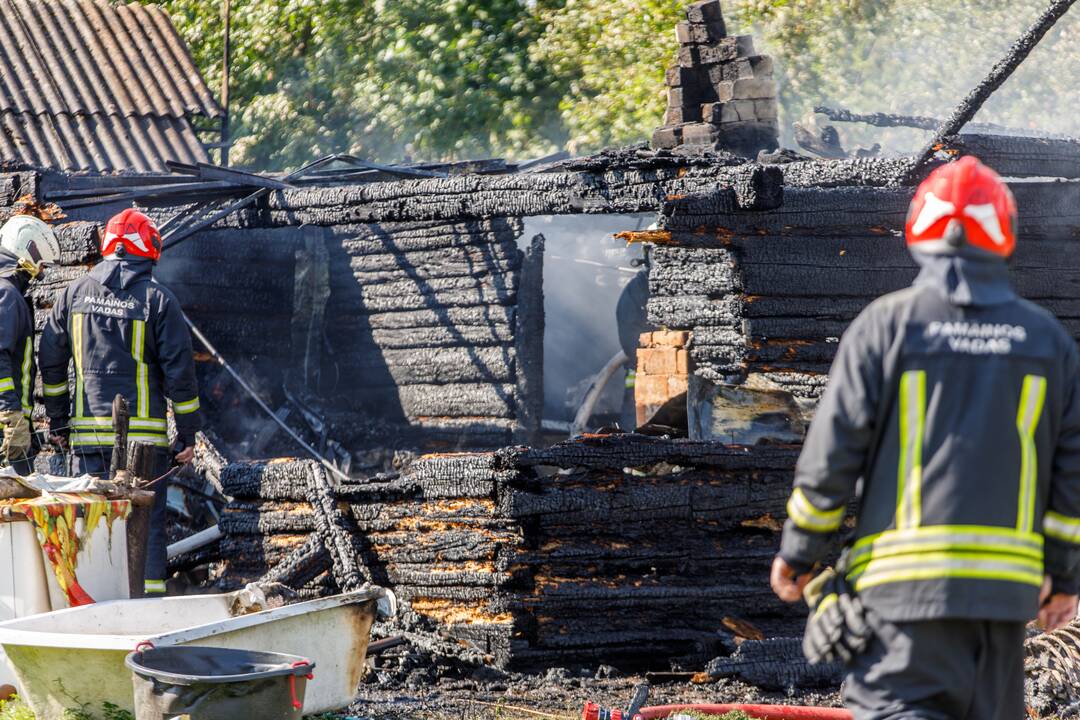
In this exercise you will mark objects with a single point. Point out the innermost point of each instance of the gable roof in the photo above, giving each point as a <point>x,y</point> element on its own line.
<point>85,85</point>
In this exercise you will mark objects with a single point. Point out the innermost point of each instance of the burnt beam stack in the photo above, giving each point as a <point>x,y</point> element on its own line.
<point>620,549</point>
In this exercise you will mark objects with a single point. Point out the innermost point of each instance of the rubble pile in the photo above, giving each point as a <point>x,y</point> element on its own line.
<point>721,94</point>
<point>620,549</point>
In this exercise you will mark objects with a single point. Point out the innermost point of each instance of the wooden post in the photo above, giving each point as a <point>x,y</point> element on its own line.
<point>226,69</point>
<point>138,523</point>
<point>121,416</point>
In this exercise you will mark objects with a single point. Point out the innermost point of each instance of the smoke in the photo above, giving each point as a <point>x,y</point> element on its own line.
<point>585,271</point>
<point>918,58</point>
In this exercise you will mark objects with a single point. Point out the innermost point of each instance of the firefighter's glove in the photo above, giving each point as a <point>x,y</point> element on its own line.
<point>16,443</point>
<point>837,627</point>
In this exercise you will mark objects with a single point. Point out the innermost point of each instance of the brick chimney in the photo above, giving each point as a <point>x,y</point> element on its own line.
<point>721,94</point>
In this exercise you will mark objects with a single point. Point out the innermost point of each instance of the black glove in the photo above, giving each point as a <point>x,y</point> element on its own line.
<point>837,628</point>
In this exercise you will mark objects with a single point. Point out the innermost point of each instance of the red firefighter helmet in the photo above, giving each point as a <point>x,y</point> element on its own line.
<point>135,232</point>
<point>961,203</point>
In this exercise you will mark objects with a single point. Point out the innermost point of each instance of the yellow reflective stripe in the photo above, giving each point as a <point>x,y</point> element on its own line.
<point>84,437</point>
<point>28,359</point>
<point>186,408</point>
<point>154,586</point>
<point>945,565</point>
<point>7,384</point>
<point>631,379</point>
<point>148,424</point>
<point>1027,419</point>
<point>909,470</point>
<point>966,533</point>
<point>77,352</point>
<point>151,438</point>
<point>808,517</point>
<point>1061,527</point>
<point>825,603</point>
<point>92,422</point>
<point>142,381</point>
<point>57,390</point>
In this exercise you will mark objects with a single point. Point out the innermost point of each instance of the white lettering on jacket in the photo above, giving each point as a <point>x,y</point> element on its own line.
<point>977,338</point>
<point>109,305</point>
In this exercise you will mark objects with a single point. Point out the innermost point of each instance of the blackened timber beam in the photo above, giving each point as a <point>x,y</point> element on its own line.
<point>529,349</point>
<point>1002,70</point>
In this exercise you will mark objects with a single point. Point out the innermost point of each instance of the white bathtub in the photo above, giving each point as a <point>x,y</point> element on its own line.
<point>74,656</point>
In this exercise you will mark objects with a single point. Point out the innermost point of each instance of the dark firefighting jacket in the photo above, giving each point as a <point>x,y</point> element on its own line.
<point>17,371</point>
<point>957,405</point>
<point>126,335</point>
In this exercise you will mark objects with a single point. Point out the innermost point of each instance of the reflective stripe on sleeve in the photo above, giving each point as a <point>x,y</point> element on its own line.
<point>1027,420</point>
<point>57,390</point>
<point>808,517</point>
<point>7,384</point>
<point>186,408</point>
<point>909,470</point>
<point>1061,527</point>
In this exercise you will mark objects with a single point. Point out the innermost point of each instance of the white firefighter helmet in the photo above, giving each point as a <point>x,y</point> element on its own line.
<point>31,241</point>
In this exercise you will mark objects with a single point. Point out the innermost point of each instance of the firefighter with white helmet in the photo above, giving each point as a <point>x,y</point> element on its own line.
<point>126,334</point>
<point>27,245</point>
<point>952,417</point>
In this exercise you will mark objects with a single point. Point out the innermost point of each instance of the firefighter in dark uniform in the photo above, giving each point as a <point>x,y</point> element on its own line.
<point>126,335</point>
<point>953,415</point>
<point>26,245</point>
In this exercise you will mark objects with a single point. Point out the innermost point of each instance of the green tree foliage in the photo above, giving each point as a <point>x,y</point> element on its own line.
<point>436,79</point>
<point>382,79</point>
<point>901,56</point>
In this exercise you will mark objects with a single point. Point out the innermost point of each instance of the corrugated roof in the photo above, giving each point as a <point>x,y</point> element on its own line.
<point>103,143</point>
<point>86,56</point>
<point>85,85</point>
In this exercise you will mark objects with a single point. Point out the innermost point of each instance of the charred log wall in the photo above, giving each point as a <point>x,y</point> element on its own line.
<point>620,549</point>
<point>767,295</point>
<point>407,301</point>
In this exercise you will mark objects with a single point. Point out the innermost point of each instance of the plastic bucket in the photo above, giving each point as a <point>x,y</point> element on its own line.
<point>206,683</point>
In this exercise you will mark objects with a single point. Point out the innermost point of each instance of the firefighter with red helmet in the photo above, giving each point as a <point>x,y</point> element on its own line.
<point>125,334</point>
<point>27,245</point>
<point>952,419</point>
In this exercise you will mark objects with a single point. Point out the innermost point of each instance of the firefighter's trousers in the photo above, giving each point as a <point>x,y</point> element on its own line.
<point>96,462</point>
<point>940,670</point>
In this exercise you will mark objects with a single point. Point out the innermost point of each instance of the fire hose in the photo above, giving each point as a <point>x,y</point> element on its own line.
<point>593,711</point>
<point>265,408</point>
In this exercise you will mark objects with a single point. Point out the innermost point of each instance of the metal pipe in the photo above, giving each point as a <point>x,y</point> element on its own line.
<point>181,234</point>
<point>266,408</point>
<point>200,539</point>
<point>599,383</point>
<point>226,71</point>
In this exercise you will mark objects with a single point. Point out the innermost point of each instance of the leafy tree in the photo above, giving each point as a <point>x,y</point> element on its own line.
<point>435,79</point>
<point>380,79</point>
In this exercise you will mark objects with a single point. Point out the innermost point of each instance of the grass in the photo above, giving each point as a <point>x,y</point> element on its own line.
<point>15,709</point>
